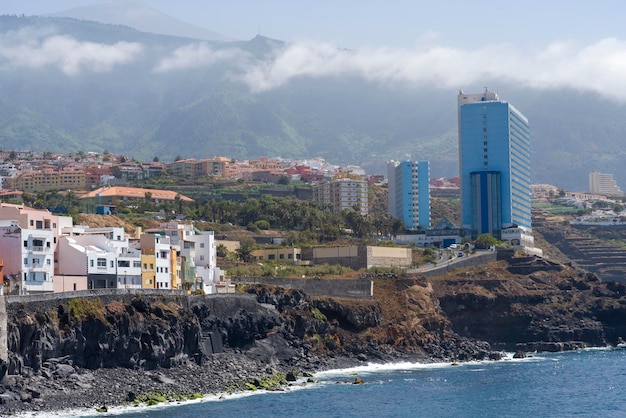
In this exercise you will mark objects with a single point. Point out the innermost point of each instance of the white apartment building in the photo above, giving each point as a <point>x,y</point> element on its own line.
<point>28,257</point>
<point>602,183</point>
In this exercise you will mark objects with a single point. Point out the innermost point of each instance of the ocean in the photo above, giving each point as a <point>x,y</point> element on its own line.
<point>586,383</point>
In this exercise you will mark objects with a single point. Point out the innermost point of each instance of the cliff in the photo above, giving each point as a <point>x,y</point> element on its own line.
<point>115,349</point>
<point>533,305</point>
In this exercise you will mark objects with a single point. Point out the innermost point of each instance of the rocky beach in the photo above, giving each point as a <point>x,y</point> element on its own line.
<point>104,351</point>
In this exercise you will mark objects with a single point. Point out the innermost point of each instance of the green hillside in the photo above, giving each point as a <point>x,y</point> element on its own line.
<point>203,111</point>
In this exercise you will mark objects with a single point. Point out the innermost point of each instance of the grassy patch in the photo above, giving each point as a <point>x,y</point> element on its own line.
<point>86,307</point>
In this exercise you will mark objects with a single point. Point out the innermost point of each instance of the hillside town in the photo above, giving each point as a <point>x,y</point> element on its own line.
<point>58,255</point>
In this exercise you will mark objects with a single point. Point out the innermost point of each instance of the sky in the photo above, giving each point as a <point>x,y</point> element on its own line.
<point>540,44</point>
<point>399,23</point>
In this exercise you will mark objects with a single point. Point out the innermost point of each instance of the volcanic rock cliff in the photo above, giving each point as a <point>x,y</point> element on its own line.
<point>108,349</point>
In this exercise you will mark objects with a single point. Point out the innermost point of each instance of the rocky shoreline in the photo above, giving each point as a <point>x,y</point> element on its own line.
<point>111,352</point>
<point>63,387</point>
<point>103,352</point>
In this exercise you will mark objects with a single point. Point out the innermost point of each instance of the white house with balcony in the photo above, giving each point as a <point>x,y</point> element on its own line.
<point>107,239</point>
<point>163,254</point>
<point>208,275</point>
<point>129,268</point>
<point>28,256</point>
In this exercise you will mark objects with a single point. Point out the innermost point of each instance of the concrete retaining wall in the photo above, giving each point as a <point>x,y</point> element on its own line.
<point>340,288</point>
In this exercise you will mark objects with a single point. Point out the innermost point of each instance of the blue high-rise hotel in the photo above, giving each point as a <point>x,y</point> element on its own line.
<point>494,166</point>
<point>409,193</point>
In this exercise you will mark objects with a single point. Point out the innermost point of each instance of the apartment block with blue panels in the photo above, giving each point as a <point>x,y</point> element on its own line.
<point>409,194</point>
<point>494,164</point>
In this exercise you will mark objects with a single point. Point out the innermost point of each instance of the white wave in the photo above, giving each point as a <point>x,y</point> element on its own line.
<point>400,367</point>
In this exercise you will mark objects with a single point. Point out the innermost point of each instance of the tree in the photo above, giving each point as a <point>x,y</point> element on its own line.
<point>155,159</point>
<point>221,250</point>
<point>284,180</point>
<point>244,252</point>
<point>486,241</point>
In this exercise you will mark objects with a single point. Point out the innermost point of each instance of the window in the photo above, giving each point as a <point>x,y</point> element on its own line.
<point>26,261</point>
<point>102,262</point>
<point>48,261</point>
<point>166,270</point>
<point>137,264</point>
<point>281,256</point>
<point>112,265</point>
<point>35,261</point>
<point>145,266</point>
<point>202,245</point>
<point>202,258</point>
<point>90,263</point>
<point>151,266</point>
<point>290,256</point>
<point>271,257</point>
<point>25,244</point>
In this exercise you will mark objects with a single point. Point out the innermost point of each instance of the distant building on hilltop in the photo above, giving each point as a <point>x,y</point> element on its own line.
<point>494,165</point>
<point>408,192</point>
<point>602,183</point>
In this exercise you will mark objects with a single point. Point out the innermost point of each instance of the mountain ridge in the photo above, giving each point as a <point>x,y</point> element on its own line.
<point>147,95</point>
<point>138,15</point>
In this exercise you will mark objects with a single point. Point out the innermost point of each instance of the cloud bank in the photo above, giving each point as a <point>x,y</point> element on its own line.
<point>600,67</point>
<point>197,56</point>
<point>43,48</point>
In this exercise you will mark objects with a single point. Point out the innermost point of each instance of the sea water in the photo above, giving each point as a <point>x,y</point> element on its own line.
<point>586,383</point>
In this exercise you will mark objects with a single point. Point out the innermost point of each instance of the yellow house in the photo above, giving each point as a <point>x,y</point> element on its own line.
<point>175,268</point>
<point>148,271</point>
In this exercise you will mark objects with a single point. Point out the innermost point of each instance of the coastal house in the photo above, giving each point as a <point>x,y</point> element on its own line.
<point>196,250</point>
<point>156,261</point>
<point>96,258</point>
<point>28,256</point>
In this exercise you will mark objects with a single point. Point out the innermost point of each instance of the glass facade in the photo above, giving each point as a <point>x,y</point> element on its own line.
<point>494,160</point>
